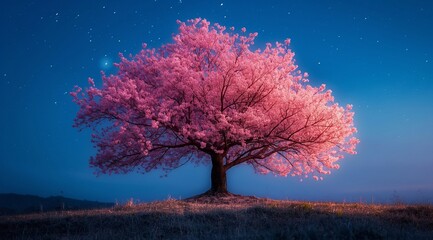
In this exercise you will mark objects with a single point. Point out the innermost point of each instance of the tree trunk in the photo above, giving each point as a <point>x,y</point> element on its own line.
<point>218,175</point>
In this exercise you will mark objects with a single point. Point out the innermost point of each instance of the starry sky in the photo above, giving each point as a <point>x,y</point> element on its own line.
<point>376,55</point>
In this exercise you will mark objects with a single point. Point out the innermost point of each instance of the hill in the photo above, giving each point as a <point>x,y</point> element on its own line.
<point>11,203</point>
<point>227,218</point>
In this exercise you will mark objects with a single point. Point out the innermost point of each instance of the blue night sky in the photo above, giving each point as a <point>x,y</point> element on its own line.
<point>377,55</point>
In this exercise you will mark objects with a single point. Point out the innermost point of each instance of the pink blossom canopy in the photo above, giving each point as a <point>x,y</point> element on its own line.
<point>208,93</point>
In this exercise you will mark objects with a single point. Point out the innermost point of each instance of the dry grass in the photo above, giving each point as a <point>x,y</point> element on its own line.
<point>228,217</point>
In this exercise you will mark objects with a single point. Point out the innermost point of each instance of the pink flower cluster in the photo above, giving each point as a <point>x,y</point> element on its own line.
<point>208,93</point>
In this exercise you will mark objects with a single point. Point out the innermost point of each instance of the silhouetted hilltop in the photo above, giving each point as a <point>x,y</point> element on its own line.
<point>227,217</point>
<point>12,203</point>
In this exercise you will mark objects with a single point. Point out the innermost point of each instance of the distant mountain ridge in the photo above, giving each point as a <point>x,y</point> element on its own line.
<point>11,203</point>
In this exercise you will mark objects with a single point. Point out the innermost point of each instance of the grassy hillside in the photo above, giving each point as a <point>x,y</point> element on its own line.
<point>227,218</point>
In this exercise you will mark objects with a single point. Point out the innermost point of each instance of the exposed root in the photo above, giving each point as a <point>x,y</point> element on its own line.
<point>223,198</point>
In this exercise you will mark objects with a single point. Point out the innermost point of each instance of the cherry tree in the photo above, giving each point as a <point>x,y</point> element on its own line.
<point>208,97</point>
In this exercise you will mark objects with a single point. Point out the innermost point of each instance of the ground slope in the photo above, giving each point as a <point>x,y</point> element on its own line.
<point>228,217</point>
<point>11,203</point>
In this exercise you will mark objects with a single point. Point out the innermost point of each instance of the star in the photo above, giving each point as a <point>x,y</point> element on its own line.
<point>105,63</point>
